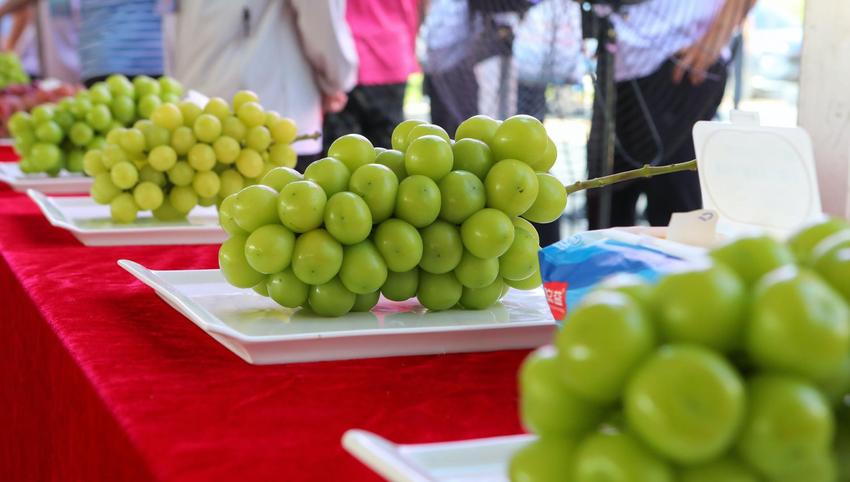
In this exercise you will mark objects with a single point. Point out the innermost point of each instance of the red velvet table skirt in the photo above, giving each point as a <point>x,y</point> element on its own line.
<point>104,381</point>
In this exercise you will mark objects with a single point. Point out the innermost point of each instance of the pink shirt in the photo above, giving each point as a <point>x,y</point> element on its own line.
<point>385,36</point>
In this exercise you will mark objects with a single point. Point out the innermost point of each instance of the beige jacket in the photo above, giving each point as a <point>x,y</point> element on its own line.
<point>287,51</point>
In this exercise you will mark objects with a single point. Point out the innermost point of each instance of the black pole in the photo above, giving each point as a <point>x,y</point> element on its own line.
<point>606,92</point>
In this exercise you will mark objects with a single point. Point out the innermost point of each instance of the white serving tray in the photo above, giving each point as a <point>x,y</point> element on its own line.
<point>261,332</point>
<point>90,223</point>
<point>479,460</point>
<point>64,183</point>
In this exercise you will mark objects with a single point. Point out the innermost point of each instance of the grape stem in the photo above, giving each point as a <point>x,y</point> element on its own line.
<point>304,137</point>
<point>645,171</point>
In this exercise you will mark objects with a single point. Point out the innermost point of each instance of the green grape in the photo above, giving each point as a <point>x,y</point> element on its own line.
<point>378,186</point>
<point>80,134</point>
<point>45,156</point>
<point>80,108</point>
<point>474,272</point>
<point>461,195</point>
<point>547,460</point>
<point>488,233</point>
<point>511,187</point>
<point>287,290</point>
<point>202,157</point>
<point>148,196</point>
<point>258,138</point>
<point>231,182</point>
<point>166,212</point>
<point>279,177</point>
<point>520,260</point>
<point>394,160</point>
<point>123,208</point>
<point>520,223</point>
<point>283,155</point>
<point>162,158</point>
<point>353,150</point>
<point>42,113</point>
<point>478,127</point>
<point>249,163</point>
<point>551,200</point>
<point>207,128</point>
<point>147,104</point>
<point>100,94</point>
<point>93,163</point>
<point>331,298</point>
<point>155,136</point>
<point>19,121</point>
<point>244,96</point>
<point>347,218</point>
<point>255,206</point>
<point>363,269</point>
<point>225,217</point>
<point>531,283</point>
<point>232,127</point>
<point>114,136</point>
<point>472,155</point>
<point>145,85</point>
<point>64,119</point>
<point>112,155</point>
<point>429,156</point>
<point>614,455</point>
<point>120,85</point>
<point>271,118</point>
<point>234,266</point>
<point>400,244</point>
<point>418,201</point>
<point>167,116</point>
<point>399,136</point>
<point>49,131</point>
<point>547,160</point>
<point>190,113</point>
<point>74,161</point>
<point>401,286</point>
<point>329,173</point>
<point>132,141</point>
<point>421,130</point>
<point>182,140</point>
<point>206,183</point>
<point>482,298</point>
<point>251,114</point>
<point>269,248</point>
<point>97,142</point>
<point>169,85</point>
<point>181,174</point>
<point>442,248</point>
<point>317,257</point>
<point>183,198</point>
<point>123,109</point>
<point>438,291</point>
<point>283,131</point>
<point>103,190</point>
<point>365,302</point>
<point>520,137</point>
<point>218,108</point>
<point>124,175</point>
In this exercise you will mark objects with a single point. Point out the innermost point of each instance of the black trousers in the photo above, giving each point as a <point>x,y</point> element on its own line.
<point>372,111</point>
<point>673,109</point>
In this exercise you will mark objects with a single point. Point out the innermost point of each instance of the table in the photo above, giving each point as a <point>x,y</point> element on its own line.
<point>103,381</point>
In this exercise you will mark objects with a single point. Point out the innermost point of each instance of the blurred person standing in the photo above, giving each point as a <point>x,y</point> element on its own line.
<point>298,56</point>
<point>384,34</point>
<point>119,37</point>
<point>58,35</point>
<point>670,72</point>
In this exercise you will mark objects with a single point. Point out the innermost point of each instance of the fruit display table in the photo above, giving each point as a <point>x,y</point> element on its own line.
<point>107,382</point>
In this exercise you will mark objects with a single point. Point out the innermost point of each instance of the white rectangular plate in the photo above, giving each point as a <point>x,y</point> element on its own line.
<point>91,224</point>
<point>64,183</point>
<point>480,460</point>
<point>262,332</point>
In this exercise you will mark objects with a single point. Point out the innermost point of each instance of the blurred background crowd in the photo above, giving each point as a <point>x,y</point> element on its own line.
<point>364,65</point>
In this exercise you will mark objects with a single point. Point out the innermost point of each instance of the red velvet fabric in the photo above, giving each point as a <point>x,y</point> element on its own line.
<point>103,381</point>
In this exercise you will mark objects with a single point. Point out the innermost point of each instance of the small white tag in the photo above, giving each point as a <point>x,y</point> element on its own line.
<point>696,228</point>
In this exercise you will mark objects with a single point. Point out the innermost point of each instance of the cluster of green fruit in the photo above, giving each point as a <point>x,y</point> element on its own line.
<point>56,136</point>
<point>11,70</point>
<point>446,221</point>
<point>735,371</point>
<point>185,156</point>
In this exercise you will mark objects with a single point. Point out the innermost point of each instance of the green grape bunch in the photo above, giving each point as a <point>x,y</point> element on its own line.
<point>12,71</point>
<point>180,156</point>
<point>53,137</point>
<point>734,370</point>
<point>445,221</point>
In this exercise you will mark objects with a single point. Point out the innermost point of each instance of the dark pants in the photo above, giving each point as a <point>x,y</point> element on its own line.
<point>453,95</point>
<point>673,109</point>
<point>372,111</point>
<point>305,160</point>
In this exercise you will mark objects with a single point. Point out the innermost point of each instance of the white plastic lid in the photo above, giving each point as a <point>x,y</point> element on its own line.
<point>756,178</point>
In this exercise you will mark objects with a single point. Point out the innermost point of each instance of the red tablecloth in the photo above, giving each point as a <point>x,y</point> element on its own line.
<point>103,381</point>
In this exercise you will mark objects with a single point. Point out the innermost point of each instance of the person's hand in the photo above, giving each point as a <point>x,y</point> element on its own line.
<point>333,103</point>
<point>694,61</point>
